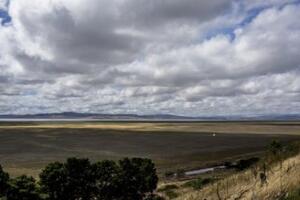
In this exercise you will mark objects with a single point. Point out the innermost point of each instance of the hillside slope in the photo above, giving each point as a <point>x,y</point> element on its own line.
<point>280,181</point>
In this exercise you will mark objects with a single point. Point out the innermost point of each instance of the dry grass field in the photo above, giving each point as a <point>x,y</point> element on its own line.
<point>289,128</point>
<point>25,147</point>
<point>281,180</point>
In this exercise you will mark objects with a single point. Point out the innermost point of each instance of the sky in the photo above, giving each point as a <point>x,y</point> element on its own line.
<point>191,57</point>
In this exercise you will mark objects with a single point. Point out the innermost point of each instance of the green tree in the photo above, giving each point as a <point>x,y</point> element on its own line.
<point>137,178</point>
<point>69,181</point>
<point>106,174</point>
<point>80,180</point>
<point>4,177</point>
<point>23,188</point>
<point>53,181</point>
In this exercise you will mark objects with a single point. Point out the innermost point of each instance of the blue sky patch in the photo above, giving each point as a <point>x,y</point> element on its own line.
<point>229,31</point>
<point>5,18</point>
<point>251,14</point>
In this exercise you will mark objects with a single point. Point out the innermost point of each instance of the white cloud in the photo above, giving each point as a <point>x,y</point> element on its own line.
<point>68,56</point>
<point>3,4</point>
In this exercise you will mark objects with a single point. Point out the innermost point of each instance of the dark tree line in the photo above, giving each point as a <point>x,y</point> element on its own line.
<point>79,179</point>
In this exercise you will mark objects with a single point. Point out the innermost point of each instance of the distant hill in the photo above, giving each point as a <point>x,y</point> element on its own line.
<point>95,116</point>
<point>74,115</point>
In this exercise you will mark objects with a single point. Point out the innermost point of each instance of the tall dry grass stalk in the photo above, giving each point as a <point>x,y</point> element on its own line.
<point>249,185</point>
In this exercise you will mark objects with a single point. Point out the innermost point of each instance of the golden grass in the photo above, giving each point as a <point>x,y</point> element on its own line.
<point>247,187</point>
<point>290,128</point>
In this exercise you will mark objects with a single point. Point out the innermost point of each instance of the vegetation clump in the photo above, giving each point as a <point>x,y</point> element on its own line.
<point>4,178</point>
<point>23,187</point>
<point>246,163</point>
<point>168,187</point>
<point>171,194</point>
<point>294,195</point>
<point>168,190</point>
<point>198,183</point>
<point>79,179</point>
<point>169,174</point>
<point>242,164</point>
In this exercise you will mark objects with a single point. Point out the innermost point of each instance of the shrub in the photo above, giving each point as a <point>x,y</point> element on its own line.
<point>171,194</point>
<point>23,188</point>
<point>228,165</point>
<point>275,147</point>
<point>4,177</point>
<point>295,195</point>
<point>198,183</point>
<point>168,187</point>
<point>246,163</point>
<point>180,173</point>
<point>154,197</point>
<point>169,174</point>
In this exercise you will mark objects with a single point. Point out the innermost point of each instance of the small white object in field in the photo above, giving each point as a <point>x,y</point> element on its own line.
<point>214,134</point>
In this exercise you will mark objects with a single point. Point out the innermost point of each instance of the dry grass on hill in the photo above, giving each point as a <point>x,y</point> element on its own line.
<point>281,179</point>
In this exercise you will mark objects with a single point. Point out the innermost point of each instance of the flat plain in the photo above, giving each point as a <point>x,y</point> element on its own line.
<point>26,147</point>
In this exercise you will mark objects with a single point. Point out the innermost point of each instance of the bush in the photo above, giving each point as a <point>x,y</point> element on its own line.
<point>180,173</point>
<point>198,183</point>
<point>275,147</point>
<point>292,149</point>
<point>4,177</point>
<point>154,197</point>
<point>171,194</point>
<point>169,174</point>
<point>246,163</point>
<point>168,191</point>
<point>228,165</point>
<point>168,187</point>
<point>278,151</point>
<point>23,188</point>
<point>295,195</point>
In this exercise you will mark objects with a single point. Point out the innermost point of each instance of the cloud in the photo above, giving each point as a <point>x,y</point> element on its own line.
<point>182,57</point>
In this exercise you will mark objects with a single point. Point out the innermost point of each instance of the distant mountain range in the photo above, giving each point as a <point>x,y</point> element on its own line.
<point>96,116</point>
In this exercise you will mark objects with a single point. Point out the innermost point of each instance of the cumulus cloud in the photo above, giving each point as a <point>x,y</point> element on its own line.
<point>2,5</point>
<point>181,57</point>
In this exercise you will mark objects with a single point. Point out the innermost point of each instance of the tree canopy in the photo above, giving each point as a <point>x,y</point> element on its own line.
<point>4,177</point>
<point>79,179</point>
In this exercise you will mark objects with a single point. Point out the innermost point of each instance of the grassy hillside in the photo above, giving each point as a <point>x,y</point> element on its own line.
<point>282,182</point>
